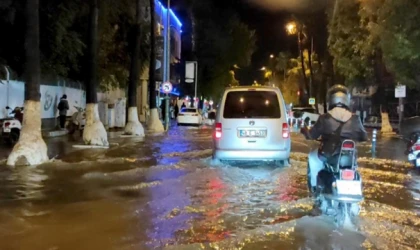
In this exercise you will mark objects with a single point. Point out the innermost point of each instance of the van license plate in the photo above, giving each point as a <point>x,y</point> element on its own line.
<point>252,133</point>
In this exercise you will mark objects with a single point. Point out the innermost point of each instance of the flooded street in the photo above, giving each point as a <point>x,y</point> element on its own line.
<point>164,192</point>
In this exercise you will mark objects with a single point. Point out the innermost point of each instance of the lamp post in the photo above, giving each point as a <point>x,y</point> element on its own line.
<point>292,29</point>
<point>167,76</point>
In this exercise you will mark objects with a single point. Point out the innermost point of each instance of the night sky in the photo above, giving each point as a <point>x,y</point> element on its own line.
<point>270,32</point>
<point>271,38</point>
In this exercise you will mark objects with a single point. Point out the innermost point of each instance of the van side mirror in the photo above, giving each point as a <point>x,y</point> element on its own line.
<point>212,115</point>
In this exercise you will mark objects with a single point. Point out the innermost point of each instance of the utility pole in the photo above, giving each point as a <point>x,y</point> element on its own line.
<point>168,62</point>
<point>310,60</point>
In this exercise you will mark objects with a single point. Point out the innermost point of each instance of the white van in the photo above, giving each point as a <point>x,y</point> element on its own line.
<point>251,125</point>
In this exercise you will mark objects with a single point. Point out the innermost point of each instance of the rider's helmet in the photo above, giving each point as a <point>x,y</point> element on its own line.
<point>338,96</point>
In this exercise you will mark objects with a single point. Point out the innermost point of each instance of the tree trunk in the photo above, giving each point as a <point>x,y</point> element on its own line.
<point>311,86</point>
<point>31,148</point>
<point>133,126</point>
<point>302,61</point>
<point>94,132</point>
<point>154,123</point>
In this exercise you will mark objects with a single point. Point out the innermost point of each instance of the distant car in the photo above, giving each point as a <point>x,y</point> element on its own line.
<point>251,125</point>
<point>303,115</point>
<point>189,116</point>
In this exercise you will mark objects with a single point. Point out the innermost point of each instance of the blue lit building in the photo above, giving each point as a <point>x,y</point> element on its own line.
<point>175,42</point>
<point>175,56</point>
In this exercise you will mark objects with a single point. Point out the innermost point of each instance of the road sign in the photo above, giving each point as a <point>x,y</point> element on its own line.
<point>311,101</point>
<point>400,91</point>
<point>167,87</point>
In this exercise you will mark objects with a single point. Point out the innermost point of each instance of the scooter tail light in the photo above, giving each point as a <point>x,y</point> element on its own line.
<point>285,131</point>
<point>218,131</point>
<point>348,145</point>
<point>7,124</point>
<point>347,175</point>
<point>416,147</point>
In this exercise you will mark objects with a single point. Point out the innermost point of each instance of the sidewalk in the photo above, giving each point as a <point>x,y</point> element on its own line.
<point>58,145</point>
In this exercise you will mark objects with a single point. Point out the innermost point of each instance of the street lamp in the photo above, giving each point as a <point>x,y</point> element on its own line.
<point>291,28</point>
<point>271,56</point>
<point>263,68</point>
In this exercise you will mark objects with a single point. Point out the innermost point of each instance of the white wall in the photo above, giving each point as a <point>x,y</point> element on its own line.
<point>12,94</point>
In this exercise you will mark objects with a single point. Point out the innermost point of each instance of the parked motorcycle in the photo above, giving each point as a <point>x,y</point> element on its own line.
<point>339,185</point>
<point>413,149</point>
<point>11,126</point>
<point>78,121</point>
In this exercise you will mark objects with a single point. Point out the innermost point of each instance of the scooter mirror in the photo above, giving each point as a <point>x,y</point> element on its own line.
<point>7,107</point>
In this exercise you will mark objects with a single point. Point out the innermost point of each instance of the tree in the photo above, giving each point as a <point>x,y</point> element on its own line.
<point>154,123</point>
<point>397,25</point>
<point>220,43</point>
<point>31,148</point>
<point>296,70</point>
<point>281,64</point>
<point>355,47</point>
<point>347,44</point>
<point>62,45</point>
<point>94,132</point>
<point>133,126</point>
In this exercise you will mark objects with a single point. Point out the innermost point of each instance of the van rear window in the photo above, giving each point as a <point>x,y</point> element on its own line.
<point>251,104</point>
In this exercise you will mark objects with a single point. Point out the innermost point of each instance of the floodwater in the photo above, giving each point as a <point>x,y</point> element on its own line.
<point>164,192</point>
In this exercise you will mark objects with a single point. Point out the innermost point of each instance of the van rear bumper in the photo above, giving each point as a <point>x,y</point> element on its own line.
<point>251,155</point>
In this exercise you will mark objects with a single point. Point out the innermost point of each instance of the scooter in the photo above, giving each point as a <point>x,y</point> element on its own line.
<point>11,126</point>
<point>413,149</point>
<point>339,185</point>
<point>78,121</point>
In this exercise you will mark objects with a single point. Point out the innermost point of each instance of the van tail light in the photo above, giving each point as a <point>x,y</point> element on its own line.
<point>218,131</point>
<point>348,145</point>
<point>285,131</point>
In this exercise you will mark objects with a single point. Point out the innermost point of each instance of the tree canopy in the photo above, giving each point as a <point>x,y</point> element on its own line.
<point>64,31</point>
<point>347,41</point>
<point>366,36</point>
<point>220,43</point>
<point>398,23</point>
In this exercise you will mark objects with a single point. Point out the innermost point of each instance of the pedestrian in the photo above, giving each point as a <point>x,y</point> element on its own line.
<point>176,110</point>
<point>63,106</point>
<point>183,105</point>
<point>163,109</point>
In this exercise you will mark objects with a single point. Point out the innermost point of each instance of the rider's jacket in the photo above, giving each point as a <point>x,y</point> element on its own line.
<point>329,122</point>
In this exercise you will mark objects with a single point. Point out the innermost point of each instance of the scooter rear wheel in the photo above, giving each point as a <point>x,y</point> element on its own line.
<point>14,137</point>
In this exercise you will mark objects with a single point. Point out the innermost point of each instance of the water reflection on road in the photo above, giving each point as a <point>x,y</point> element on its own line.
<point>165,192</point>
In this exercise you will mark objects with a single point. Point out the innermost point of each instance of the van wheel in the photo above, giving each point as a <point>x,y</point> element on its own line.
<point>282,163</point>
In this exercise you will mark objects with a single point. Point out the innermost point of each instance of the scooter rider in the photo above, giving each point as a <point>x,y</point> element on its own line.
<point>338,97</point>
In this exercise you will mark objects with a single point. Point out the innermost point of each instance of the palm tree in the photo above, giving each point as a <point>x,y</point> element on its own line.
<point>282,62</point>
<point>133,126</point>
<point>299,66</point>
<point>94,132</point>
<point>154,123</point>
<point>31,148</point>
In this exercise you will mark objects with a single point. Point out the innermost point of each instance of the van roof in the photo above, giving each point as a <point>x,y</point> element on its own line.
<point>251,87</point>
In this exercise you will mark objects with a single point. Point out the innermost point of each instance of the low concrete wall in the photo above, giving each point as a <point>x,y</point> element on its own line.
<point>12,95</point>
